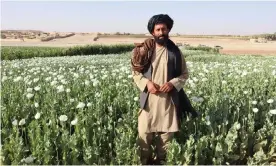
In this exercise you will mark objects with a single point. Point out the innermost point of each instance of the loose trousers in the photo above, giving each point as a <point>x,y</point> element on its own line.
<point>145,142</point>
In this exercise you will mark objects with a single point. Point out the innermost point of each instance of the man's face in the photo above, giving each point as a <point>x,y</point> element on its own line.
<point>161,33</point>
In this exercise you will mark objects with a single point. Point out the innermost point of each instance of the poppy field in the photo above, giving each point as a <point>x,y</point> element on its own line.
<point>83,110</point>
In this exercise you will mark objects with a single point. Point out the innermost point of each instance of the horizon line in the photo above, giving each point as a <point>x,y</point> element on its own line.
<point>137,33</point>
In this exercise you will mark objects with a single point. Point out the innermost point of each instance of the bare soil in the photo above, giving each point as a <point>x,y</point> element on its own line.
<point>230,46</point>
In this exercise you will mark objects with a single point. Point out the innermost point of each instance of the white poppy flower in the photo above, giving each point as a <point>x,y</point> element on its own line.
<point>47,79</point>
<point>29,95</point>
<point>17,79</point>
<point>53,83</point>
<point>63,81</point>
<point>15,122</point>
<point>80,105</point>
<point>76,75</point>
<point>74,122</point>
<point>29,90</point>
<point>255,110</point>
<point>273,112</point>
<point>190,81</point>
<point>254,102</point>
<point>36,79</point>
<point>270,101</point>
<point>37,88</point>
<point>4,78</point>
<point>244,73</point>
<point>36,105</point>
<point>195,79</point>
<point>238,126</point>
<point>22,122</point>
<point>29,159</point>
<point>60,89</point>
<point>104,77</point>
<point>37,115</point>
<point>226,122</point>
<point>89,104</point>
<point>86,82</point>
<point>95,83</point>
<point>274,72</point>
<point>204,79</point>
<point>63,118</point>
<point>201,74</point>
<point>129,76</point>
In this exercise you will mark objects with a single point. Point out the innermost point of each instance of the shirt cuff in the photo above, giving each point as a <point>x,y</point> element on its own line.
<point>176,83</point>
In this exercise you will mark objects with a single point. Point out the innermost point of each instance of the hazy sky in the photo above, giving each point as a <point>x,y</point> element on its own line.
<point>217,17</point>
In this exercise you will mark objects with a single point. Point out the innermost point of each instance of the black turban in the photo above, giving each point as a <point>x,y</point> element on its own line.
<point>160,18</point>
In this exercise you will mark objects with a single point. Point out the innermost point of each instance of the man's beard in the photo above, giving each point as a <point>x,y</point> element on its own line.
<point>161,41</point>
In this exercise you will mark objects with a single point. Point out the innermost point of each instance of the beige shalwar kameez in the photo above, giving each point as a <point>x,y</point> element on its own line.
<point>159,115</point>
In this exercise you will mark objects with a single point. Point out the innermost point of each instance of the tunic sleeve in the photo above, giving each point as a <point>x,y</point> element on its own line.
<point>179,82</point>
<point>140,80</point>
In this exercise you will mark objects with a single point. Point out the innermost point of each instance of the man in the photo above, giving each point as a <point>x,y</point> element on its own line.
<point>160,72</point>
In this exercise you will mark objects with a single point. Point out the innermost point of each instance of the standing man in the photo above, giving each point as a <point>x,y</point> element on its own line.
<point>160,72</point>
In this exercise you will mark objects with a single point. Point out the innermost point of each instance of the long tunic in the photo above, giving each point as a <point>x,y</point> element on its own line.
<point>159,114</point>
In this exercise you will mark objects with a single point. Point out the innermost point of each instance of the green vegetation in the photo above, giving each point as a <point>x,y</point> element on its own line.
<point>11,53</point>
<point>82,110</point>
<point>202,48</point>
<point>266,36</point>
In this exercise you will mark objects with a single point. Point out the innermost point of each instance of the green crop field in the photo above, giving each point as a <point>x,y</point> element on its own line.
<point>83,110</point>
<point>21,52</point>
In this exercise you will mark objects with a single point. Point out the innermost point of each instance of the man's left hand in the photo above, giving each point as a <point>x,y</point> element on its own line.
<point>167,87</point>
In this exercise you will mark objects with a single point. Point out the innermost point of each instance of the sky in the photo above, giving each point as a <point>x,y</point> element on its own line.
<point>190,17</point>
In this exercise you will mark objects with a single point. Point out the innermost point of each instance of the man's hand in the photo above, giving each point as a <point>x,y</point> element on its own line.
<point>152,87</point>
<point>167,87</point>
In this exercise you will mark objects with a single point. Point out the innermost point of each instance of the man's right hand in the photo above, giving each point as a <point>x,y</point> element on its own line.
<point>152,87</point>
